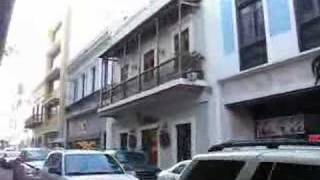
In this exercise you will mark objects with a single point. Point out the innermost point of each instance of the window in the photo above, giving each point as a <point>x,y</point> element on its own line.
<point>252,38</point>
<point>179,169</point>
<point>284,171</point>
<point>83,85</point>
<point>88,164</point>
<point>308,20</point>
<point>183,142</point>
<point>124,72</point>
<point>75,90</point>
<point>52,111</point>
<point>54,161</point>
<point>185,44</point>
<point>148,65</point>
<point>214,169</point>
<point>124,140</point>
<point>93,75</point>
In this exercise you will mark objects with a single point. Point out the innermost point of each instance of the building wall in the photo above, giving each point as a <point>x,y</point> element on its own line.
<point>170,114</point>
<point>287,68</point>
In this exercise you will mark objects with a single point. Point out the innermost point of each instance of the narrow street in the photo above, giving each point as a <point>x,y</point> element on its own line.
<point>5,174</point>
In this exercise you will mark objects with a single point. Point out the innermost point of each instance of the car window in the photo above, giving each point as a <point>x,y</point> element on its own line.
<point>54,161</point>
<point>214,169</point>
<point>285,171</point>
<point>132,157</point>
<point>35,155</point>
<point>179,169</point>
<point>83,164</point>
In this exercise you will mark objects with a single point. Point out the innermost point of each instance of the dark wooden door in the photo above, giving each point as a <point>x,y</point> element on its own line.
<point>183,142</point>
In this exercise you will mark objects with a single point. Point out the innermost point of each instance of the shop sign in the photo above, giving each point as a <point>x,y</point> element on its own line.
<point>280,126</point>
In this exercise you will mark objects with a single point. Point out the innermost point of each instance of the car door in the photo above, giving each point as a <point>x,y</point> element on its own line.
<point>53,161</point>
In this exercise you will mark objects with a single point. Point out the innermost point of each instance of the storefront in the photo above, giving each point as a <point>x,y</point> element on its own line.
<point>289,115</point>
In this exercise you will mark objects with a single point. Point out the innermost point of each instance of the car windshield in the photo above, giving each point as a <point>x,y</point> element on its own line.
<point>82,164</point>
<point>131,157</point>
<point>36,155</point>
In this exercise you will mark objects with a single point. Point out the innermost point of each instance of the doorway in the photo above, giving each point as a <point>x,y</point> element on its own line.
<point>150,145</point>
<point>183,142</point>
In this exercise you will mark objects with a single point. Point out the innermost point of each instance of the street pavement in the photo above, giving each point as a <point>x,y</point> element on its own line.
<point>5,174</point>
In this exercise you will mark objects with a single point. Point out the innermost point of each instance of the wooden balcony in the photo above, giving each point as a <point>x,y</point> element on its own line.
<point>33,121</point>
<point>190,71</point>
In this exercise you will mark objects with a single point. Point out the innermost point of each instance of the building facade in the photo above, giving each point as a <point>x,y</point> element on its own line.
<point>85,128</point>
<point>45,120</point>
<point>157,100</point>
<point>254,79</point>
<point>264,51</point>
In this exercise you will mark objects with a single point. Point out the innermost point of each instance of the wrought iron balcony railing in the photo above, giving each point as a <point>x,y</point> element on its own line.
<point>33,121</point>
<point>191,67</point>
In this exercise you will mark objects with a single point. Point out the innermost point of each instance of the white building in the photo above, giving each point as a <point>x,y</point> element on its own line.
<point>244,72</point>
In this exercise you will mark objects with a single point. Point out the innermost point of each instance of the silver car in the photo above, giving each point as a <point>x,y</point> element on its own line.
<point>273,160</point>
<point>174,172</point>
<point>81,164</point>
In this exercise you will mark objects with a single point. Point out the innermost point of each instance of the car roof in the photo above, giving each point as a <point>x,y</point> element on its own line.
<point>78,152</point>
<point>33,149</point>
<point>305,155</point>
<point>113,151</point>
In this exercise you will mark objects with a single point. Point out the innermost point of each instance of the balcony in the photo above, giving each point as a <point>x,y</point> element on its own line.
<point>165,78</point>
<point>52,98</point>
<point>33,121</point>
<point>53,74</point>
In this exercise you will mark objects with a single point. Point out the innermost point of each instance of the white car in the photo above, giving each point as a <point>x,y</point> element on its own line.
<point>174,172</point>
<point>82,165</point>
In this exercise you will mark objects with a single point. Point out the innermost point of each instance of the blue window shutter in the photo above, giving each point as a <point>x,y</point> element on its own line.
<point>227,26</point>
<point>279,16</point>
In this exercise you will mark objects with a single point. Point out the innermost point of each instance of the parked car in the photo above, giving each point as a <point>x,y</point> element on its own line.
<point>8,157</point>
<point>262,160</point>
<point>32,160</point>
<point>82,164</point>
<point>135,163</point>
<point>174,172</point>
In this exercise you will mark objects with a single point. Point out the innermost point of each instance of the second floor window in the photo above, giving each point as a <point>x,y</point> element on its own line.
<point>124,72</point>
<point>93,75</point>
<point>148,65</point>
<point>308,21</point>
<point>75,90</point>
<point>83,78</point>
<point>251,32</point>
<point>185,42</point>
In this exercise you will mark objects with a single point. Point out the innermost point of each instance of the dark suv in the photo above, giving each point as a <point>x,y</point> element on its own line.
<point>264,160</point>
<point>135,163</point>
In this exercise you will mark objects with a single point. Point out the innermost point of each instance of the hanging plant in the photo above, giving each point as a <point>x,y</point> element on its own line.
<point>132,141</point>
<point>164,138</point>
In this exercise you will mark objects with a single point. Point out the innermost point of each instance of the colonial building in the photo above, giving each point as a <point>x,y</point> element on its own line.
<point>157,101</point>
<point>46,120</point>
<point>85,129</point>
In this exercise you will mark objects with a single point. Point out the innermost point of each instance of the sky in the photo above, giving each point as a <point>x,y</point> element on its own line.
<point>28,34</point>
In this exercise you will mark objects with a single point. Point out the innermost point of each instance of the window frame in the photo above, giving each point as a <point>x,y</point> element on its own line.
<point>310,22</point>
<point>83,80</point>
<point>239,5</point>
<point>93,78</point>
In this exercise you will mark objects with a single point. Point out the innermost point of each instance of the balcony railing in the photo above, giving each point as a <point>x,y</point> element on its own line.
<point>33,121</point>
<point>169,70</point>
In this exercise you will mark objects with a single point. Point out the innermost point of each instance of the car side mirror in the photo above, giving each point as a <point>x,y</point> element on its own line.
<point>53,170</point>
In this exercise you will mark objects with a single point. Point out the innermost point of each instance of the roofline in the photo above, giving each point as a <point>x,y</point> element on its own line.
<point>103,42</point>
